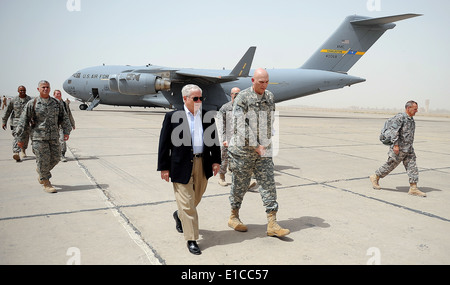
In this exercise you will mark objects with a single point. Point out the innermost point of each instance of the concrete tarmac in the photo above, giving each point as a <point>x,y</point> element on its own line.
<point>113,208</point>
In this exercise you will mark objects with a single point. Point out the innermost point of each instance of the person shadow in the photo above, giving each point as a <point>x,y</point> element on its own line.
<point>230,236</point>
<point>70,188</point>
<point>405,189</point>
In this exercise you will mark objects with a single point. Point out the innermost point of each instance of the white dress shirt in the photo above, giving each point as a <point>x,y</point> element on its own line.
<point>196,128</point>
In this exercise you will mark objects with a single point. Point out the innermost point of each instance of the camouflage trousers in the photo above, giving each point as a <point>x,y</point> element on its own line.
<point>62,142</point>
<point>224,164</point>
<point>26,136</point>
<point>48,154</point>
<point>242,168</point>
<point>409,161</point>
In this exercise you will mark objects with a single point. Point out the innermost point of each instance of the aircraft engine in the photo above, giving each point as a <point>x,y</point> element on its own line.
<point>137,83</point>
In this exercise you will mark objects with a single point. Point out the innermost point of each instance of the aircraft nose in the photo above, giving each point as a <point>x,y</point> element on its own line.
<point>66,85</point>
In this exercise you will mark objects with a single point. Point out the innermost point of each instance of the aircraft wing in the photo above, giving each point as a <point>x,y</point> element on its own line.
<point>384,20</point>
<point>205,75</point>
<point>241,69</point>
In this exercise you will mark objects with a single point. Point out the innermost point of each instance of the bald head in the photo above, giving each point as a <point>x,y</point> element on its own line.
<point>260,72</point>
<point>260,80</point>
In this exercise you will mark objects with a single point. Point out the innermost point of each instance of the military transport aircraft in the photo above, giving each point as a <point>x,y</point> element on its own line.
<point>156,86</point>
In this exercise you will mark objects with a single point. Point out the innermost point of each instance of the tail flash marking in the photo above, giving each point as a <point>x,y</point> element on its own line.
<point>343,52</point>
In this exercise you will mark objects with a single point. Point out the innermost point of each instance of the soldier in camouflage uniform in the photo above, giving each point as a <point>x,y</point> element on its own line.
<point>402,150</point>
<point>57,94</point>
<point>44,114</point>
<point>15,107</point>
<point>250,151</point>
<point>224,129</point>
<point>224,123</point>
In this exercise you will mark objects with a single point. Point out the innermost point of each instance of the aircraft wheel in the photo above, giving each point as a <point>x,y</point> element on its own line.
<point>83,107</point>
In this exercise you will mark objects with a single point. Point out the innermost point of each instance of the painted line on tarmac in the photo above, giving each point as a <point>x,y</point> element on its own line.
<point>328,184</point>
<point>132,231</point>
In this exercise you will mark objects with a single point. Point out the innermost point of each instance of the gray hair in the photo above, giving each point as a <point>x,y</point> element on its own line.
<point>43,82</point>
<point>187,90</point>
<point>410,103</point>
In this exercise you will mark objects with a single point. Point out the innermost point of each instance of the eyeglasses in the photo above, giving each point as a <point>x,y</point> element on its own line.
<point>197,98</point>
<point>235,93</point>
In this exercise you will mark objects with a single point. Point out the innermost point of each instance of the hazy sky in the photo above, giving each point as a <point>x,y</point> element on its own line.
<point>45,40</point>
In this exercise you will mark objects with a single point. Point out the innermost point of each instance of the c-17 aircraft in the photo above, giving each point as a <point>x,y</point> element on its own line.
<point>157,86</point>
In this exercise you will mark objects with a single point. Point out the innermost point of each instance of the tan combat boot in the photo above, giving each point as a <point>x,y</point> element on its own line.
<point>16,156</point>
<point>374,179</point>
<point>413,190</point>
<point>273,228</point>
<point>222,181</point>
<point>235,223</point>
<point>48,186</point>
<point>23,154</point>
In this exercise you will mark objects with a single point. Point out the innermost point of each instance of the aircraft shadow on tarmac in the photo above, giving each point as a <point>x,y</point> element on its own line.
<point>214,238</point>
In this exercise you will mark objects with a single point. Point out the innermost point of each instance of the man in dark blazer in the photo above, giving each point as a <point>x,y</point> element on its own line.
<point>189,154</point>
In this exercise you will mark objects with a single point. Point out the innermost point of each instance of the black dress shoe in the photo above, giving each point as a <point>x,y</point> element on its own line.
<point>193,247</point>
<point>178,225</point>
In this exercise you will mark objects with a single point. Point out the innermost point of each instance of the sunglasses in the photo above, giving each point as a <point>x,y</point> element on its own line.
<point>197,98</point>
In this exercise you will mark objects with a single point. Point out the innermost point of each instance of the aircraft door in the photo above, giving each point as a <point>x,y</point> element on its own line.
<point>94,93</point>
<point>94,100</point>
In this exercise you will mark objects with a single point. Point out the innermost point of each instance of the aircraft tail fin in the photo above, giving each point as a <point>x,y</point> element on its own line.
<point>242,69</point>
<point>350,42</point>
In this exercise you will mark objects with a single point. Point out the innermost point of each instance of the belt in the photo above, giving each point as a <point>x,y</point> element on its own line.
<point>198,154</point>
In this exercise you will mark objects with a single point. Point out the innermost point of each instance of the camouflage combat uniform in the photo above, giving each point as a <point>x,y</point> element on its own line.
<point>62,142</point>
<point>253,126</point>
<point>224,125</point>
<point>16,106</point>
<point>47,115</point>
<point>404,138</point>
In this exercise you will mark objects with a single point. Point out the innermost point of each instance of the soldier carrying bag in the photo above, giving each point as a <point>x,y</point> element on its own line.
<point>390,129</point>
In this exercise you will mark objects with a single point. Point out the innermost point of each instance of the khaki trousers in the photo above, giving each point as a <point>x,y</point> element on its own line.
<point>188,196</point>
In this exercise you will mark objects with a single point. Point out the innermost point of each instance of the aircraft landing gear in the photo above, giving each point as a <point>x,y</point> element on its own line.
<point>83,106</point>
